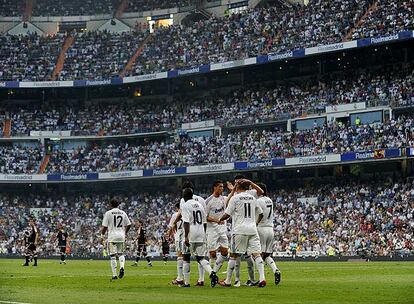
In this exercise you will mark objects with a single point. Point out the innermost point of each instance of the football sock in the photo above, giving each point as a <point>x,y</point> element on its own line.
<point>122,261</point>
<point>186,272</point>
<point>230,268</point>
<point>165,258</point>
<point>113,266</point>
<point>219,263</point>
<point>206,266</point>
<point>260,268</point>
<point>237,269</point>
<point>271,264</point>
<point>148,259</point>
<point>137,259</point>
<point>250,268</point>
<point>180,268</point>
<point>201,272</point>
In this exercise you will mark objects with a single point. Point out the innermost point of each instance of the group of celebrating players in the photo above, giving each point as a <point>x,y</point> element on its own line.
<point>199,229</point>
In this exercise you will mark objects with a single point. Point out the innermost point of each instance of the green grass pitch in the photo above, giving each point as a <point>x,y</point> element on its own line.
<point>302,282</point>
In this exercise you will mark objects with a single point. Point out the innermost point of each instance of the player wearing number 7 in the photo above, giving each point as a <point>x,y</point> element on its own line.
<point>117,223</point>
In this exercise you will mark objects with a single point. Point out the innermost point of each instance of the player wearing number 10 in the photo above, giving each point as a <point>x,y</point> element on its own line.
<point>117,223</point>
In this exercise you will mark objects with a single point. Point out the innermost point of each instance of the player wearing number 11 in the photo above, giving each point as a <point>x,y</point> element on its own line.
<point>117,223</point>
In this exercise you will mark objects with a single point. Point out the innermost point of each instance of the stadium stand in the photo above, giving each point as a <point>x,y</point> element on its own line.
<point>396,16</point>
<point>18,159</point>
<point>12,8</point>
<point>242,145</point>
<point>253,104</point>
<point>257,31</point>
<point>99,55</point>
<point>74,7</point>
<point>353,218</point>
<point>30,58</point>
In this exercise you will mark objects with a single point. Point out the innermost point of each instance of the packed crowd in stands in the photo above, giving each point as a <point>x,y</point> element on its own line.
<point>396,16</point>
<point>242,145</point>
<point>74,7</point>
<point>255,104</point>
<point>30,58</point>
<point>347,219</point>
<point>257,31</point>
<point>100,55</point>
<point>150,5</point>
<point>11,8</point>
<point>20,160</point>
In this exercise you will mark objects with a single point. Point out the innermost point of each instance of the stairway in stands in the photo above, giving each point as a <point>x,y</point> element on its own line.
<point>28,10</point>
<point>121,9</point>
<point>371,8</point>
<point>44,164</point>
<point>62,56</point>
<point>7,128</point>
<point>131,62</point>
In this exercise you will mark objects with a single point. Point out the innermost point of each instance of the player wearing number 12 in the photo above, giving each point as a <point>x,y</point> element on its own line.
<point>117,223</point>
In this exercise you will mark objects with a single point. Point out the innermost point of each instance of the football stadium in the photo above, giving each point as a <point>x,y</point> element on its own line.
<point>204,151</point>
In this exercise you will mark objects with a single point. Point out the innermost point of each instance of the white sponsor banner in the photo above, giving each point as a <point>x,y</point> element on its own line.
<point>317,159</point>
<point>251,60</point>
<point>147,77</point>
<point>287,254</point>
<point>346,107</point>
<point>331,47</point>
<point>210,168</point>
<point>308,200</point>
<point>227,65</point>
<point>49,133</point>
<point>198,125</point>
<point>46,84</point>
<point>23,177</point>
<point>121,174</point>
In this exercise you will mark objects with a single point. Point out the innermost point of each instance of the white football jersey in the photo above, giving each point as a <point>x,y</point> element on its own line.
<point>179,231</point>
<point>194,214</point>
<point>268,214</point>
<point>198,199</point>
<point>243,208</point>
<point>116,220</point>
<point>215,209</point>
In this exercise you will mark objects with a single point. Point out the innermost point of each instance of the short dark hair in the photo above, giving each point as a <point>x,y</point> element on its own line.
<point>264,188</point>
<point>239,176</point>
<point>177,205</point>
<point>217,182</point>
<point>244,185</point>
<point>187,184</point>
<point>187,194</point>
<point>114,203</point>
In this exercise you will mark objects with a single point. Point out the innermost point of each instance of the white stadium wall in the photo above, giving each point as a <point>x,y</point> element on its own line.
<point>21,29</point>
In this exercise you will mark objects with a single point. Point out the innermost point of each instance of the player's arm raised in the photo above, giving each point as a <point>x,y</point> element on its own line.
<point>255,187</point>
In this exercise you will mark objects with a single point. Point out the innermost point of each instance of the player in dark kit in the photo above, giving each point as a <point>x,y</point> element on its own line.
<point>142,244</point>
<point>165,245</point>
<point>63,243</point>
<point>31,237</point>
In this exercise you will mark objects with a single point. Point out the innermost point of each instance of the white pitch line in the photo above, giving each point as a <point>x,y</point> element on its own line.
<point>9,302</point>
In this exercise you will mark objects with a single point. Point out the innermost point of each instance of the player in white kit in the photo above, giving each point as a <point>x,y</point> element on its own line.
<point>189,184</point>
<point>266,232</point>
<point>217,231</point>
<point>242,208</point>
<point>194,219</point>
<point>176,229</point>
<point>117,223</point>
